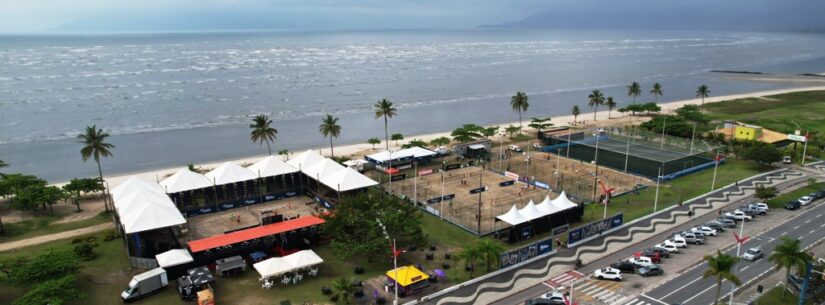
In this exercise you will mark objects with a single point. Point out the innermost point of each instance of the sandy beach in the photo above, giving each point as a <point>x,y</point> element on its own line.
<point>357,150</point>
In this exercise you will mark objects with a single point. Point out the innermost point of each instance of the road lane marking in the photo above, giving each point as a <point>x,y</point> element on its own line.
<point>811,231</point>
<point>796,227</point>
<point>743,268</point>
<point>700,293</point>
<point>822,225</point>
<point>680,288</point>
<point>654,299</point>
<point>818,215</point>
<point>808,221</point>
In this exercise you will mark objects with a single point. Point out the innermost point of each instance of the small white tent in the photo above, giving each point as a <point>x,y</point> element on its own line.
<point>305,160</point>
<point>279,265</point>
<point>134,184</point>
<point>530,212</point>
<point>513,217</point>
<point>174,257</point>
<point>563,203</point>
<point>347,179</point>
<point>230,173</point>
<point>185,180</point>
<point>271,166</point>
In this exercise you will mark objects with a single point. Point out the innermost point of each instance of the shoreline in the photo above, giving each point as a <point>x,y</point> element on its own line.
<point>352,149</point>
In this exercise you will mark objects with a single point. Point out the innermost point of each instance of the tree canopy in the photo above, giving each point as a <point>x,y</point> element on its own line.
<point>414,143</point>
<point>467,133</point>
<point>354,231</point>
<point>762,153</point>
<point>540,123</point>
<point>54,292</point>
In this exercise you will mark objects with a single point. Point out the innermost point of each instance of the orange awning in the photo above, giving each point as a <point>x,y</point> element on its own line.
<point>253,233</point>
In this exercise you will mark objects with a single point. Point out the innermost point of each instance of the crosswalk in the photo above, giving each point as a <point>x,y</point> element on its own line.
<point>603,291</point>
<point>564,279</point>
<point>640,300</point>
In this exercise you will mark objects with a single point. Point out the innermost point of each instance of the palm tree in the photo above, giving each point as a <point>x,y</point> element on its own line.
<point>596,98</point>
<point>342,289</point>
<point>703,92</point>
<point>330,128</point>
<point>384,108</point>
<point>262,131</point>
<point>657,91</point>
<point>373,141</point>
<point>490,251</point>
<point>634,90</point>
<point>576,112</point>
<point>788,254</point>
<point>721,267</point>
<point>520,104</point>
<point>470,255</point>
<point>610,105</point>
<point>94,146</point>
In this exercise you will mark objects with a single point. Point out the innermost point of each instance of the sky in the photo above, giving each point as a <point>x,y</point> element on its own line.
<point>53,16</point>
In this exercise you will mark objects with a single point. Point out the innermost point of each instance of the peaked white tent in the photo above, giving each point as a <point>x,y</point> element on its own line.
<point>416,152</point>
<point>530,212</point>
<point>185,180</point>
<point>135,184</point>
<point>562,202</point>
<point>347,179</point>
<point>545,206</point>
<point>513,217</point>
<point>139,198</point>
<point>271,166</point>
<point>279,265</point>
<point>305,160</point>
<point>230,173</point>
<point>174,257</point>
<point>150,215</point>
<point>323,169</point>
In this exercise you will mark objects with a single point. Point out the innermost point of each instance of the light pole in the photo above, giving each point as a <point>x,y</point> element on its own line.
<point>394,258</point>
<point>596,160</point>
<point>739,242</point>
<point>715,166</point>
<point>500,151</point>
<point>664,127</point>
<point>805,148</point>
<point>656,198</point>
<point>692,136</point>
<point>627,150</point>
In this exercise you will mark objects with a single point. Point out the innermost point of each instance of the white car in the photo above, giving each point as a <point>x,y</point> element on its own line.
<point>678,241</point>
<point>761,206</point>
<point>805,200</point>
<point>668,246</point>
<point>705,230</point>
<point>739,215</point>
<point>515,148</point>
<point>608,274</point>
<point>537,146</point>
<point>752,254</point>
<point>555,296</point>
<point>786,159</point>
<point>641,261</point>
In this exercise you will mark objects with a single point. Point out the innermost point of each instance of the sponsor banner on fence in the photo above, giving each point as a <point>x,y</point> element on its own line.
<point>449,196</point>
<point>439,199</point>
<point>450,167</point>
<point>425,172</point>
<point>507,183</point>
<point>516,256</point>
<point>432,211</point>
<point>594,228</point>
<point>510,175</point>
<point>478,190</point>
<point>561,229</point>
<point>543,185</point>
<point>398,177</point>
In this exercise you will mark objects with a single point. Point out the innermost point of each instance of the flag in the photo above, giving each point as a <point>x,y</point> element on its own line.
<point>396,252</point>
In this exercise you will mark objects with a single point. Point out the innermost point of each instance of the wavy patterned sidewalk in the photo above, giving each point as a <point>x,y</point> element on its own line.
<point>534,272</point>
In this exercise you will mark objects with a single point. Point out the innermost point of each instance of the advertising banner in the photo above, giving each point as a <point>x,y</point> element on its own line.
<point>425,172</point>
<point>594,228</point>
<point>543,185</point>
<point>527,252</point>
<point>510,175</point>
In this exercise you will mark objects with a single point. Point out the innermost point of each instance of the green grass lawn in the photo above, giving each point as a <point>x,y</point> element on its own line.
<point>43,225</point>
<point>774,297</point>
<point>779,201</point>
<point>671,193</point>
<point>775,112</point>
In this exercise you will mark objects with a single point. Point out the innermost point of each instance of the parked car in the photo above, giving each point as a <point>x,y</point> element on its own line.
<point>705,230</point>
<point>760,206</point>
<point>678,241</point>
<point>554,298</point>
<point>715,224</point>
<point>805,200</point>
<point>786,159</point>
<point>608,274</point>
<point>653,255</point>
<point>739,215</point>
<point>727,222</point>
<point>537,146</point>
<point>543,301</point>
<point>751,211</point>
<point>624,266</point>
<point>670,248</point>
<point>793,205</point>
<point>752,254</point>
<point>820,194</point>
<point>661,251</point>
<point>641,261</point>
<point>651,270</point>
<point>515,148</point>
<point>693,238</point>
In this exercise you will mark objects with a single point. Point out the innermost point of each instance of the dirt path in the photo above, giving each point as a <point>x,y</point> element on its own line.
<point>52,237</point>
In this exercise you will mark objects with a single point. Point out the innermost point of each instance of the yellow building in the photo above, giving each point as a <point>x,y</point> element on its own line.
<point>742,131</point>
<point>748,132</point>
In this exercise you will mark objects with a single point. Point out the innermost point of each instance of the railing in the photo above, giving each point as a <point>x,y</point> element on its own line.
<point>143,263</point>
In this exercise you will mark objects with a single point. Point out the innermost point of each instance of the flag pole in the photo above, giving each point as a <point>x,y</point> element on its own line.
<point>656,200</point>
<point>713,183</point>
<point>805,148</point>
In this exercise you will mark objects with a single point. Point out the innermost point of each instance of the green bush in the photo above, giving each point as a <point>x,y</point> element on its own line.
<point>85,251</point>
<point>109,235</point>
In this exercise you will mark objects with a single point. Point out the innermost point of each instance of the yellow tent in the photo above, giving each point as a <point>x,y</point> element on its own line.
<point>407,275</point>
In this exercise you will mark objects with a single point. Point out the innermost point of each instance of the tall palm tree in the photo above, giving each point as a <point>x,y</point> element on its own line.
<point>490,251</point>
<point>596,99</point>
<point>656,91</point>
<point>576,112</point>
<point>788,254</point>
<point>262,131</point>
<point>330,128</point>
<point>634,90</point>
<point>342,289</point>
<point>703,92</point>
<point>721,266</point>
<point>95,146</point>
<point>610,105</point>
<point>520,104</point>
<point>384,108</point>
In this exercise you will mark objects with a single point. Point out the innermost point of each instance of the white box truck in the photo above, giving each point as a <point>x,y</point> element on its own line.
<point>145,284</point>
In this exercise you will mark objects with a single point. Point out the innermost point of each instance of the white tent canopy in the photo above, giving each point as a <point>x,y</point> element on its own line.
<point>174,257</point>
<point>185,180</point>
<point>279,265</point>
<point>139,198</point>
<point>530,212</point>
<point>149,215</point>
<point>323,169</point>
<point>347,179</point>
<point>513,217</point>
<point>230,173</point>
<point>305,160</point>
<point>416,152</point>
<point>271,166</point>
<point>135,184</point>
<point>562,202</point>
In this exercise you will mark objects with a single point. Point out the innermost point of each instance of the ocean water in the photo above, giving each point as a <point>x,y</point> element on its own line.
<point>173,99</point>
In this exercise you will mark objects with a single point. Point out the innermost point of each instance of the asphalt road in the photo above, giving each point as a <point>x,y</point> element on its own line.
<point>519,297</point>
<point>689,288</point>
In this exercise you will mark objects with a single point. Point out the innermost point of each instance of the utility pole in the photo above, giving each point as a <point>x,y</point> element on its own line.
<point>805,148</point>
<point>715,166</point>
<point>656,198</point>
<point>480,176</point>
<point>738,250</point>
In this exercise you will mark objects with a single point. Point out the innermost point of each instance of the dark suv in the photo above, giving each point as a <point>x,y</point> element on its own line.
<point>792,205</point>
<point>660,251</point>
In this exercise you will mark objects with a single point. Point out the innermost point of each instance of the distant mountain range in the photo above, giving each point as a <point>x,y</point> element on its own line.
<point>780,15</point>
